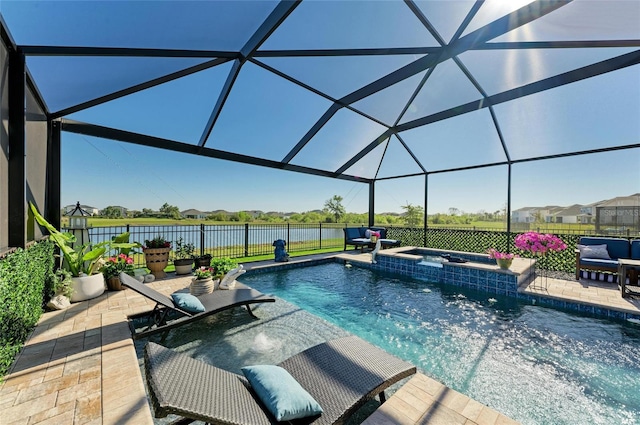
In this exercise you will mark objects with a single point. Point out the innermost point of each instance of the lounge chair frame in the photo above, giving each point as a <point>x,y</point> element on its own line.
<point>341,374</point>
<point>215,302</point>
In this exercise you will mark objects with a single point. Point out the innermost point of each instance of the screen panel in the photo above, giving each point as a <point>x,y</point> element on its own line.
<point>265,115</point>
<point>350,25</point>
<point>346,134</point>
<point>461,141</point>
<point>599,112</point>
<point>197,25</point>
<point>176,110</point>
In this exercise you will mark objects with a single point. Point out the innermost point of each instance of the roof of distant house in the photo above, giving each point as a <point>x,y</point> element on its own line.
<point>192,211</point>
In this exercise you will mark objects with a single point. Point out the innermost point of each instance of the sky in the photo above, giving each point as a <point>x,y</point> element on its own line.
<point>110,173</point>
<point>265,115</point>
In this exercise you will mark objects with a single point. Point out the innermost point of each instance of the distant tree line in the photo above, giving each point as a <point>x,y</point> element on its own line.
<point>332,212</point>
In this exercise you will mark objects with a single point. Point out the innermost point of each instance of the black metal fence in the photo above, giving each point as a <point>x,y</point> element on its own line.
<point>249,240</point>
<point>232,240</point>
<point>482,240</point>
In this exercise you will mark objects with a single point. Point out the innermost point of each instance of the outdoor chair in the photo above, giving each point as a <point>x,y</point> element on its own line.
<point>360,237</point>
<point>214,302</point>
<point>341,375</point>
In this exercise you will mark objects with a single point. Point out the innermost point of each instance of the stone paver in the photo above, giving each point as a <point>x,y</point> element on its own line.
<point>79,365</point>
<point>425,401</point>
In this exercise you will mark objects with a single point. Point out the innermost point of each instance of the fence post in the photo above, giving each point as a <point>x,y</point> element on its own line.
<point>127,228</point>
<point>201,239</point>
<point>288,235</point>
<point>320,235</point>
<point>246,239</point>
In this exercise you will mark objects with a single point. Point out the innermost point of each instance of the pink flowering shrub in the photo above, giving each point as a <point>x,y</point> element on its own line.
<point>495,254</point>
<point>538,243</point>
<point>204,272</point>
<point>114,265</point>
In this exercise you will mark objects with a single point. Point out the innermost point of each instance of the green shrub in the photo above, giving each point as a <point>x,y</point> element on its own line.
<point>25,277</point>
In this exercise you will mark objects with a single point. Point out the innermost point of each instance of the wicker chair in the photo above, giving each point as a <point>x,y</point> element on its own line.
<point>341,375</point>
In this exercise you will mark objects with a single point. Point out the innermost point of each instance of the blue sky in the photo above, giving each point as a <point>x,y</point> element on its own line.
<point>100,173</point>
<point>265,115</point>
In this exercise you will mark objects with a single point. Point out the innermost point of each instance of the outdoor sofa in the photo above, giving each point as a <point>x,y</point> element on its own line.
<point>341,375</point>
<point>601,254</point>
<point>359,237</point>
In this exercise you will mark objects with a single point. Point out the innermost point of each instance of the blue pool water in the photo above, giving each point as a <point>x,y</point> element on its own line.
<point>536,365</point>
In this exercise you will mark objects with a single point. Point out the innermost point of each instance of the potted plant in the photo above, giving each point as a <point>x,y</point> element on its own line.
<point>222,266</point>
<point>203,260</point>
<point>202,282</point>
<point>81,261</point>
<point>121,261</point>
<point>503,259</point>
<point>183,257</point>
<point>112,268</point>
<point>156,254</point>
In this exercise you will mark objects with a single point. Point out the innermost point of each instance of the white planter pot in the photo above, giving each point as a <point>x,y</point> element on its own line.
<point>183,266</point>
<point>87,287</point>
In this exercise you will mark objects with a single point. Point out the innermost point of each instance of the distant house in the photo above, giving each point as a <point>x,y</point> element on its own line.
<point>533,214</point>
<point>568,215</point>
<point>588,212</point>
<point>614,215</point>
<point>196,214</point>
<point>85,208</point>
<point>523,215</point>
<point>620,213</point>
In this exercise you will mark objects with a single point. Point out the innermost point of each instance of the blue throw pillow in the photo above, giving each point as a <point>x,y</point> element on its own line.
<point>283,396</point>
<point>187,302</point>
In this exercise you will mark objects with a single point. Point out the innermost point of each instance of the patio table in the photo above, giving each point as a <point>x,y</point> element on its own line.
<point>628,267</point>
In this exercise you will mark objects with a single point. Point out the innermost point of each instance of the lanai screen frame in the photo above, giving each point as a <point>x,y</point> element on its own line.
<point>249,53</point>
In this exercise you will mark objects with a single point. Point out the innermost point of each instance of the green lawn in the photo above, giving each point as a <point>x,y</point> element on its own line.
<point>106,222</point>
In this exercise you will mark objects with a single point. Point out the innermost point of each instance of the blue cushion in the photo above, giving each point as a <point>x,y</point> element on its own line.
<point>281,394</point>
<point>352,233</point>
<point>617,247</point>
<point>635,249</point>
<point>187,302</point>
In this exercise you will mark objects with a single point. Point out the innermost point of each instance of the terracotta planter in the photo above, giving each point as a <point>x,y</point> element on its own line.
<point>183,266</point>
<point>157,259</point>
<point>87,287</point>
<point>202,286</point>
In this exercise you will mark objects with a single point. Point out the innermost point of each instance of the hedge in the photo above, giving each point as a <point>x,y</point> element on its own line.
<point>26,276</point>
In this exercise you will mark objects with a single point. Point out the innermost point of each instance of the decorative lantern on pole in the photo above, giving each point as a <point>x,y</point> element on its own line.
<point>78,225</point>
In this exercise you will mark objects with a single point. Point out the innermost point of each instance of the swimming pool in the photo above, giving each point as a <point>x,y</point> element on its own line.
<point>537,365</point>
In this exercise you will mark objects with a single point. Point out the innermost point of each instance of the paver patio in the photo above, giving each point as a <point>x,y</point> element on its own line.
<point>79,366</point>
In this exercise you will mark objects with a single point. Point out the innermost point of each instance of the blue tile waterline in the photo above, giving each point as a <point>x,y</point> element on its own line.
<point>493,282</point>
<point>499,283</point>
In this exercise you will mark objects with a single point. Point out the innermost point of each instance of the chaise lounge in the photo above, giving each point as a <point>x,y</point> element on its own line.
<point>341,375</point>
<point>214,302</point>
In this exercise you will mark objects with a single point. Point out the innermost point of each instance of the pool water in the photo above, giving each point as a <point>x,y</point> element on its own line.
<point>536,365</point>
